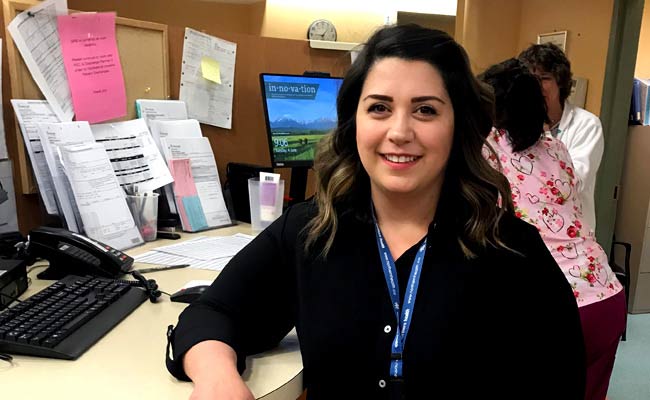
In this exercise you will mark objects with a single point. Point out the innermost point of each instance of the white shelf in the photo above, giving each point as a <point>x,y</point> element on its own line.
<point>329,45</point>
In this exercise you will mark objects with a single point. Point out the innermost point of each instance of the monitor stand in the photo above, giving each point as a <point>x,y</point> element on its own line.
<point>298,185</point>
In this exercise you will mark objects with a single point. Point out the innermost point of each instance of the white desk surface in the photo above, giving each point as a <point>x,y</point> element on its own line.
<point>129,362</point>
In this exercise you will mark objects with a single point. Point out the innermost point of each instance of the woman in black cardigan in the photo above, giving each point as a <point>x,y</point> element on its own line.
<point>402,276</point>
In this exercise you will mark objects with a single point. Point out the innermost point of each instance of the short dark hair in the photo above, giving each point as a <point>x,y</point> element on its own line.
<point>474,185</point>
<point>520,107</point>
<point>550,58</point>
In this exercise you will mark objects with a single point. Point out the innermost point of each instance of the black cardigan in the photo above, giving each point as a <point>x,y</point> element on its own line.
<point>504,324</point>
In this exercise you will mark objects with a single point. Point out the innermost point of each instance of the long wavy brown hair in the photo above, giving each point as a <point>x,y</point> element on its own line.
<point>342,181</point>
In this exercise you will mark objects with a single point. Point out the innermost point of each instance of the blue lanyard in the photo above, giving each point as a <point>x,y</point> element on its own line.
<point>403,320</point>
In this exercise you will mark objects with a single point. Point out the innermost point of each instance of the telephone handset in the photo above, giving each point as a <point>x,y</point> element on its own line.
<point>72,253</point>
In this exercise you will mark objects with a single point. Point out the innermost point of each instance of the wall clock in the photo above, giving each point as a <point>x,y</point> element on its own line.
<point>321,29</point>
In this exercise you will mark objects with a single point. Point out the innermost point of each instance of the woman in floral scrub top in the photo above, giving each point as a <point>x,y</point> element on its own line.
<point>544,193</point>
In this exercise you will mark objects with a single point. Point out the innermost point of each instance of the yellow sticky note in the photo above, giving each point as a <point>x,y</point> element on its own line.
<point>210,69</point>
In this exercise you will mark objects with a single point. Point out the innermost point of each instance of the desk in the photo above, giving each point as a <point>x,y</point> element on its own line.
<point>129,362</point>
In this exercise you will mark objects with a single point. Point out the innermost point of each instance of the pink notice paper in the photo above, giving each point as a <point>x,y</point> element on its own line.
<point>186,196</point>
<point>92,64</point>
<point>183,180</point>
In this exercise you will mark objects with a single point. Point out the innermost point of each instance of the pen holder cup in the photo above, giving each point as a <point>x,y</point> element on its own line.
<point>144,209</point>
<point>265,201</point>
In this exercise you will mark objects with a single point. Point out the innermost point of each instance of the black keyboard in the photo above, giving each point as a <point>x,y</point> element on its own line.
<point>68,317</point>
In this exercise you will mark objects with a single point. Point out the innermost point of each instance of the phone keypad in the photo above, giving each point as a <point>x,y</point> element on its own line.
<point>80,255</point>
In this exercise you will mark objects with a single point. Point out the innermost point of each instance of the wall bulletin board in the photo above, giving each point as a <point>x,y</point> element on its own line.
<point>151,56</point>
<point>143,48</point>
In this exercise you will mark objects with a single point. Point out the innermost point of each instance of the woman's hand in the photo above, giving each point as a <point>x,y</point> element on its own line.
<point>231,389</point>
<point>212,366</point>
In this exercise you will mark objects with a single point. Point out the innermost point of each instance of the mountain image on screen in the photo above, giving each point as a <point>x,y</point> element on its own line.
<point>299,111</point>
<point>285,123</point>
<point>296,140</point>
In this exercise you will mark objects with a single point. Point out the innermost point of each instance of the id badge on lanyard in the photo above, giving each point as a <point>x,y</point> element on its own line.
<point>404,316</point>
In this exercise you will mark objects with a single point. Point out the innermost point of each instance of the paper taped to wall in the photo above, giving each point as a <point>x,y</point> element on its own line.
<point>207,101</point>
<point>36,36</point>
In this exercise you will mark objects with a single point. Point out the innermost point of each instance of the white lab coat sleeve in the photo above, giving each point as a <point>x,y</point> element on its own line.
<point>586,148</point>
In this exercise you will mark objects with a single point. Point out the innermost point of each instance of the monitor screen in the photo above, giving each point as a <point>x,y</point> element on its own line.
<point>299,111</point>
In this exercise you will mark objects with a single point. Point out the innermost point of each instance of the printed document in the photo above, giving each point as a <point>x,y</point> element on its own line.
<point>209,248</point>
<point>160,258</point>
<point>176,129</point>
<point>92,64</point>
<point>29,113</point>
<point>160,109</point>
<point>102,203</point>
<point>133,154</point>
<point>205,174</point>
<point>211,253</point>
<point>208,101</point>
<point>8,215</point>
<point>53,136</point>
<point>35,33</point>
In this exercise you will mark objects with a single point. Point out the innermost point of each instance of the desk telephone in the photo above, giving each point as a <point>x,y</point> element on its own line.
<point>72,253</point>
<point>66,318</point>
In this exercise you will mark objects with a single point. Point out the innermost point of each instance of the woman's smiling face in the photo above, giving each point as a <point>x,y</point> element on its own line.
<point>405,126</point>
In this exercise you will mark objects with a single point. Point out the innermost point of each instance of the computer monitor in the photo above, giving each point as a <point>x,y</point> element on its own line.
<point>299,111</point>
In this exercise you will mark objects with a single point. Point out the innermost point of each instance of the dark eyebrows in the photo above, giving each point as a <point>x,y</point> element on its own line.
<point>425,98</point>
<point>378,97</point>
<point>418,99</point>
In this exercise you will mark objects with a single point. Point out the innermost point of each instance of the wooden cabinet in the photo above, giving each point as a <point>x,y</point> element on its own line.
<point>633,215</point>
